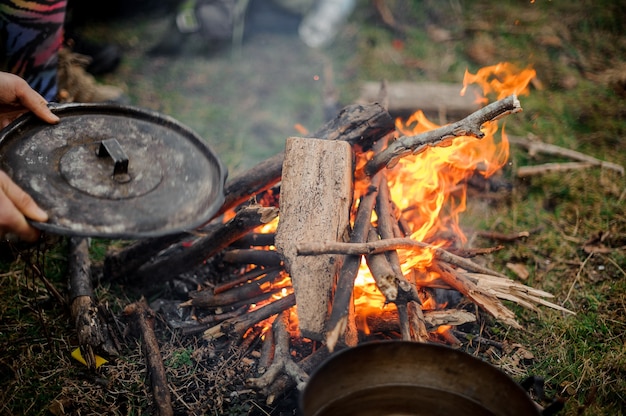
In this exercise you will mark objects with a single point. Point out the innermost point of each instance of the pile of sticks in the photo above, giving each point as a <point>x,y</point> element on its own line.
<point>262,274</point>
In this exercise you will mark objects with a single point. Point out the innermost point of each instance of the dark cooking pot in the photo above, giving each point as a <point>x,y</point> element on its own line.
<point>114,171</point>
<point>411,379</point>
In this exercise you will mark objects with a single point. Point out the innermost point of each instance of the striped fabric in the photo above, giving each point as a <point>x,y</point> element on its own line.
<point>31,34</point>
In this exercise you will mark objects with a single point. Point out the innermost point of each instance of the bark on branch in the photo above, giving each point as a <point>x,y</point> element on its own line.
<point>469,126</point>
<point>282,362</point>
<point>205,247</point>
<point>143,319</point>
<point>374,247</point>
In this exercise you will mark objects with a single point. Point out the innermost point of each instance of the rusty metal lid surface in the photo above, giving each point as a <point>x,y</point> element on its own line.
<point>114,171</point>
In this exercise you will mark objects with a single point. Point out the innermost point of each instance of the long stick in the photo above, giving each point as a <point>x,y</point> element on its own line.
<point>337,321</point>
<point>372,247</point>
<point>469,126</point>
<point>535,146</point>
<point>169,267</point>
<point>143,318</point>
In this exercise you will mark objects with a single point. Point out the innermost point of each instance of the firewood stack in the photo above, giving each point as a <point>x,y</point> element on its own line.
<point>326,204</point>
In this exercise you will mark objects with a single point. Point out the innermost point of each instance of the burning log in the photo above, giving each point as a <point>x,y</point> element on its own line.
<point>247,293</point>
<point>235,328</point>
<point>384,275</point>
<point>338,320</point>
<point>386,321</point>
<point>469,126</point>
<point>417,321</point>
<point>316,195</point>
<point>312,249</point>
<point>219,237</point>
<point>485,296</point>
<point>143,319</point>
<point>282,361</point>
<point>409,307</point>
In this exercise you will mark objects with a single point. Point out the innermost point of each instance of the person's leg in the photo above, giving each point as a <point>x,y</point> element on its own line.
<point>32,34</point>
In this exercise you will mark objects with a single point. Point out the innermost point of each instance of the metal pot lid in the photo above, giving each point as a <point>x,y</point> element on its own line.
<point>114,171</point>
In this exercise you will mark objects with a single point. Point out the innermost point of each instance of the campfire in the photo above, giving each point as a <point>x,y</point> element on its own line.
<point>352,233</point>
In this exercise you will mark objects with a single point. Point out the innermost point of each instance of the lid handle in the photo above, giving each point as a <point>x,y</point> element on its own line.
<point>112,148</point>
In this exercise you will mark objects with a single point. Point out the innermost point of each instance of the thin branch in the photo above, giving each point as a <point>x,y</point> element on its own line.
<point>535,146</point>
<point>469,126</point>
<point>374,247</point>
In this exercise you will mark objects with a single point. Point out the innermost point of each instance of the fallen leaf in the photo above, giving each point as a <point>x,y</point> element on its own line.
<point>519,269</point>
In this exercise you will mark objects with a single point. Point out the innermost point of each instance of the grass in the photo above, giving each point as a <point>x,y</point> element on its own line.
<point>246,105</point>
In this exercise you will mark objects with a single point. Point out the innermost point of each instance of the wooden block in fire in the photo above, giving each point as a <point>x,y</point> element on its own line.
<point>315,198</point>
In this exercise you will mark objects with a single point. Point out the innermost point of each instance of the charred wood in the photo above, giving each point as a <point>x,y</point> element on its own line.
<point>282,362</point>
<point>247,292</point>
<point>284,382</point>
<point>244,278</point>
<point>217,239</point>
<point>208,321</point>
<point>121,262</point>
<point>267,353</point>
<point>267,258</point>
<point>255,240</point>
<point>235,328</point>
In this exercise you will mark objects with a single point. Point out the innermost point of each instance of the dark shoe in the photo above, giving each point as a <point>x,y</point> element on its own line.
<point>77,85</point>
<point>104,59</point>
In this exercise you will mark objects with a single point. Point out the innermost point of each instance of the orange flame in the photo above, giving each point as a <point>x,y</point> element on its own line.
<point>429,188</point>
<point>502,79</point>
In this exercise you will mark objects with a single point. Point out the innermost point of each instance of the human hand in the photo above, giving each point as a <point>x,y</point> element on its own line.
<point>15,206</point>
<point>17,97</point>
